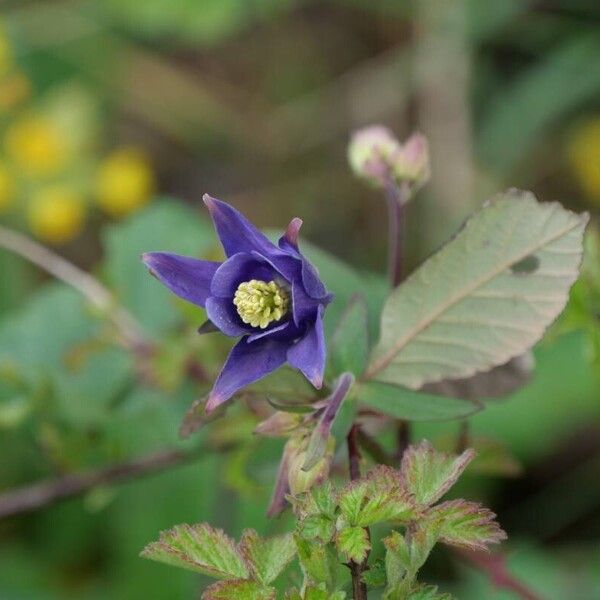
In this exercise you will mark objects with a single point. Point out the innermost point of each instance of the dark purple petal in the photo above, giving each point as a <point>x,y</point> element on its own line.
<point>239,267</point>
<point>187,277</point>
<point>312,282</point>
<point>289,240</point>
<point>308,354</point>
<point>236,233</point>
<point>264,332</point>
<point>318,440</point>
<point>222,312</point>
<point>246,363</point>
<point>303,306</point>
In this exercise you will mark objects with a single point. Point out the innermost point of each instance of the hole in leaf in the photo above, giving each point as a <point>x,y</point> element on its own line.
<point>527,265</point>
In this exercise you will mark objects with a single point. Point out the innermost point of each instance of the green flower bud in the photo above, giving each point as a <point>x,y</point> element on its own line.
<point>301,481</point>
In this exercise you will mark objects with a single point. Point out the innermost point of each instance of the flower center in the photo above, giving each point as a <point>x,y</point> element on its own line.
<point>260,303</point>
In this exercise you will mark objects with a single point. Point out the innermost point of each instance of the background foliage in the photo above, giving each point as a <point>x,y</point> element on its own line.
<point>254,102</point>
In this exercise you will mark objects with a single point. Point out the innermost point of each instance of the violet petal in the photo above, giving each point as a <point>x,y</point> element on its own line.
<point>188,278</point>
<point>308,354</point>
<point>246,363</point>
<point>236,233</point>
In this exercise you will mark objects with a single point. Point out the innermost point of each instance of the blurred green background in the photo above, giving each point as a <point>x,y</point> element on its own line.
<point>115,118</point>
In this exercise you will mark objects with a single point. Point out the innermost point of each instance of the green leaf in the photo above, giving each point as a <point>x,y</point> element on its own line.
<point>464,524</point>
<point>316,527</point>
<point>403,403</point>
<point>166,225</point>
<point>428,474</point>
<point>427,592</point>
<point>239,589</point>
<point>498,382</point>
<point>353,543</point>
<point>199,548</point>
<point>375,576</point>
<point>376,498</point>
<point>349,347</point>
<point>486,297</point>
<point>319,562</point>
<point>267,557</point>
<point>320,593</point>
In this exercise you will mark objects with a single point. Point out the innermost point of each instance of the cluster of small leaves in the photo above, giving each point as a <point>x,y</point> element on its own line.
<point>332,531</point>
<point>245,570</point>
<point>335,523</point>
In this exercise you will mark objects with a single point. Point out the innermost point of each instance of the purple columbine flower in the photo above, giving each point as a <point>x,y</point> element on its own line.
<point>270,296</point>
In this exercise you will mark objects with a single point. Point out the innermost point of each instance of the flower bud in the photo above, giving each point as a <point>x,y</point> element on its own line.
<point>412,163</point>
<point>301,481</point>
<point>376,156</point>
<point>371,152</point>
<point>279,424</point>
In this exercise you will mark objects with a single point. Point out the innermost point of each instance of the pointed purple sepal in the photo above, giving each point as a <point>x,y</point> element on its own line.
<point>188,278</point>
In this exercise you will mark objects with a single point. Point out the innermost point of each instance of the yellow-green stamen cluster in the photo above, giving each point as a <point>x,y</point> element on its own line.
<point>259,303</point>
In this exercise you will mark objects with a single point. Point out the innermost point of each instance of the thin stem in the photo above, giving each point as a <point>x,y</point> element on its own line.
<point>130,331</point>
<point>374,449</point>
<point>45,493</point>
<point>359,588</point>
<point>397,196</point>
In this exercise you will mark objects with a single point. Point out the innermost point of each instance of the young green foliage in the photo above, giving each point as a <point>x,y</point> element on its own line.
<point>428,474</point>
<point>199,548</point>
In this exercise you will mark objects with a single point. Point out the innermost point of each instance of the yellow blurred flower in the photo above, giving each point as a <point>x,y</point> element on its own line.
<point>56,214</point>
<point>36,145</point>
<point>124,182</point>
<point>584,156</point>
<point>7,189</point>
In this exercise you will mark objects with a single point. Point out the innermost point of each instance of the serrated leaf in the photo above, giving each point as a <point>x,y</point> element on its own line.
<point>403,403</point>
<point>485,298</point>
<point>427,592</point>
<point>267,557</point>
<point>375,576</point>
<point>350,341</point>
<point>465,524</point>
<point>319,562</point>
<point>428,474</point>
<point>316,527</point>
<point>199,548</point>
<point>320,593</point>
<point>353,543</point>
<point>239,589</point>
<point>376,498</point>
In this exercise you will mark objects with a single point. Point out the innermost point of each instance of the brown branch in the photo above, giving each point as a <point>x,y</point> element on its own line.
<point>130,331</point>
<point>45,493</point>
<point>374,449</point>
<point>494,567</point>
